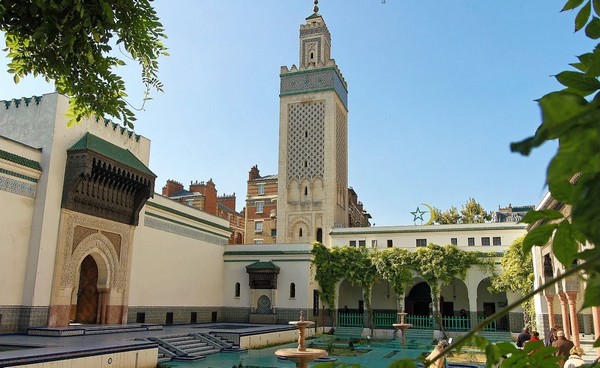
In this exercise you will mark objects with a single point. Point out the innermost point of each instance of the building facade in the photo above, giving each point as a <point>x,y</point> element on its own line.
<point>562,303</point>
<point>203,196</point>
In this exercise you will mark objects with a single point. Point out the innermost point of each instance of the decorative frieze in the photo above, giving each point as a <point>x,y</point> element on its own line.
<point>314,80</point>
<point>17,187</point>
<point>173,228</point>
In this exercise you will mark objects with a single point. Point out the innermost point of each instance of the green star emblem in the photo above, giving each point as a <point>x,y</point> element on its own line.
<point>418,214</point>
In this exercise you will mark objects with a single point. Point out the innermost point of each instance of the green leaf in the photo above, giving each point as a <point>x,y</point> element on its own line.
<point>579,81</point>
<point>596,4</point>
<point>533,216</point>
<point>538,236</point>
<point>564,245</point>
<point>592,30</point>
<point>583,16</point>
<point>572,4</point>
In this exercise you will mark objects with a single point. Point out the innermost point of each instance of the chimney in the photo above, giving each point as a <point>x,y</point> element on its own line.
<point>254,173</point>
<point>171,188</point>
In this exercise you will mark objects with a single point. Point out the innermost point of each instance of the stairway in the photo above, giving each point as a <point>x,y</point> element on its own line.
<point>416,335</point>
<point>186,346</point>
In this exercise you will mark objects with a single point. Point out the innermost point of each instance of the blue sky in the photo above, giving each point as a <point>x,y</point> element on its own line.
<point>437,91</point>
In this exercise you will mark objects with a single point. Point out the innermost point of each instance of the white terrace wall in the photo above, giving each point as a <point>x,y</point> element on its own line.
<point>294,263</point>
<point>177,263</point>
<point>18,182</point>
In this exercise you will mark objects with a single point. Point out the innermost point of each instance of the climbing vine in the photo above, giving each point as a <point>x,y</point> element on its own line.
<point>394,266</point>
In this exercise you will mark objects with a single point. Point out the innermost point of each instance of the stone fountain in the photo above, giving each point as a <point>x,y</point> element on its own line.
<point>402,326</point>
<point>301,355</point>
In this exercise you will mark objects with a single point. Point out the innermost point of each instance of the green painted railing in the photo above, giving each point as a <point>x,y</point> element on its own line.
<point>492,326</point>
<point>385,319</point>
<point>456,323</point>
<point>350,320</point>
<point>420,322</point>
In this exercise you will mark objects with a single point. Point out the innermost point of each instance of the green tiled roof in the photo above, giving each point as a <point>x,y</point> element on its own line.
<point>114,152</point>
<point>262,266</point>
<point>20,160</point>
<point>314,15</point>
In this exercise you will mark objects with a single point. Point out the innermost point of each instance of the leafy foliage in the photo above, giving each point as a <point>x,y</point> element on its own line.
<point>573,177</point>
<point>471,213</point>
<point>517,275</point>
<point>71,43</point>
<point>394,266</point>
<point>438,265</point>
<point>328,272</point>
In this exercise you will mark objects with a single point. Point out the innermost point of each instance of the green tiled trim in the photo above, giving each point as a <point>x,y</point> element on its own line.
<point>293,260</point>
<point>20,160</point>
<point>262,266</point>
<point>17,175</point>
<point>112,151</point>
<point>241,260</point>
<point>190,217</point>
<point>265,252</point>
<point>186,225</point>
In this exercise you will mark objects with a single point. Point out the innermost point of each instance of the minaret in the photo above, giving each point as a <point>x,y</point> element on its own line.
<point>313,141</point>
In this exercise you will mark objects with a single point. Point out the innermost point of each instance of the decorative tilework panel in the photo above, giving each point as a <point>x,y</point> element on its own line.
<point>306,140</point>
<point>313,80</point>
<point>341,132</point>
<point>183,231</point>
<point>181,315</point>
<point>19,318</point>
<point>311,44</point>
<point>17,187</point>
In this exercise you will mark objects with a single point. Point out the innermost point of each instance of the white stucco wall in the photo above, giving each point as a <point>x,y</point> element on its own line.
<point>294,264</point>
<point>17,193</point>
<point>172,269</point>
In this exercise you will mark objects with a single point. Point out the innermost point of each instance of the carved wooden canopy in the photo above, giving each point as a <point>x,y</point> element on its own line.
<point>107,181</point>
<point>263,275</point>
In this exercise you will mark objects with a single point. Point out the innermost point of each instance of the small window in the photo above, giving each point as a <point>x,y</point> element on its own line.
<point>306,134</point>
<point>140,317</point>
<point>258,226</point>
<point>496,240</point>
<point>169,318</point>
<point>273,232</point>
<point>352,243</point>
<point>390,243</point>
<point>258,241</point>
<point>260,206</point>
<point>300,232</point>
<point>362,243</point>
<point>194,317</point>
<point>471,242</point>
<point>453,241</point>
<point>261,188</point>
<point>305,190</point>
<point>305,163</point>
<point>292,290</point>
<point>237,289</point>
<point>421,242</point>
<point>374,243</point>
<point>190,202</point>
<point>485,241</point>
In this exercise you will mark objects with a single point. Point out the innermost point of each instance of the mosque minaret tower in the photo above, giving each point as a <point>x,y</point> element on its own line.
<point>313,141</point>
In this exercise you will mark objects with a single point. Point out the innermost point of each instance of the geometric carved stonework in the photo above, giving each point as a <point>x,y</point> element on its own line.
<point>104,180</point>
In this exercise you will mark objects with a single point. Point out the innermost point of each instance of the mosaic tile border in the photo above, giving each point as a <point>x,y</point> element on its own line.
<point>182,230</point>
<point>16,186</point>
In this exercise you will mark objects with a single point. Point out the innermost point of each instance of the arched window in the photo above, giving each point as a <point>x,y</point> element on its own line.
<point>292,290</point>
<point>300,232</point>
<point>237,289</point>
<point>320,235</point>
<point>305,190</point>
